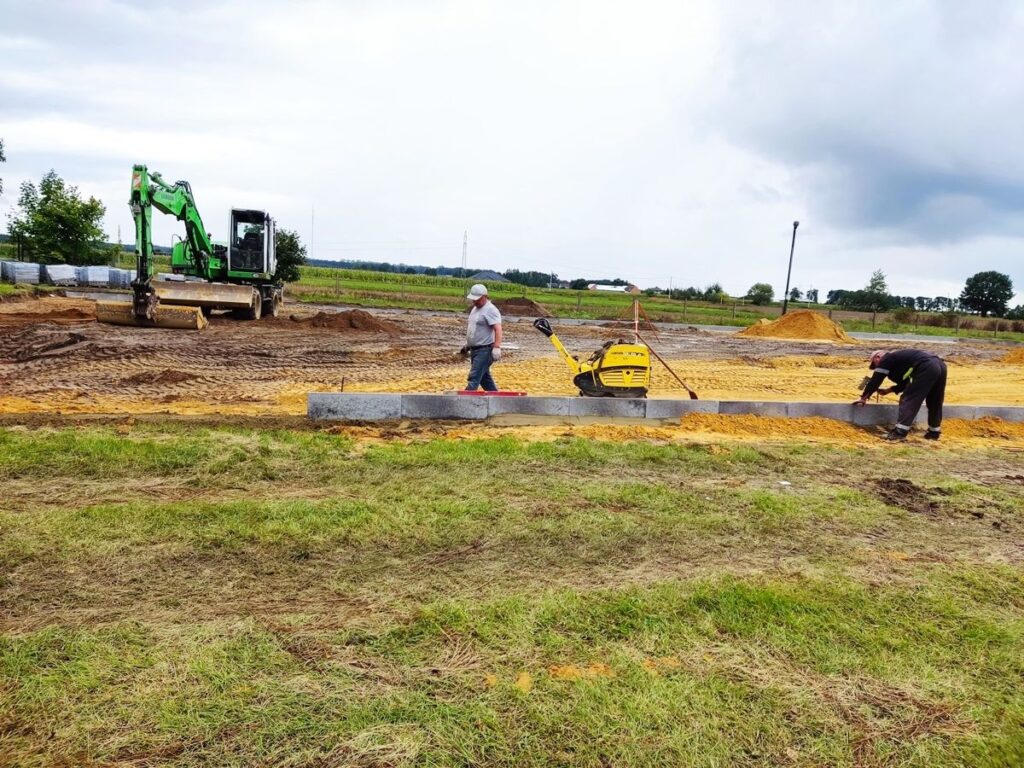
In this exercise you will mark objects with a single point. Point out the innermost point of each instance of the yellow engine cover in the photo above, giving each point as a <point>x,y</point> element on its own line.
<point>622,366</point>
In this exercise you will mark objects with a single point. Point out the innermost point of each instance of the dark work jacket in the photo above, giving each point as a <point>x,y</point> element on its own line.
<point>898,366</point>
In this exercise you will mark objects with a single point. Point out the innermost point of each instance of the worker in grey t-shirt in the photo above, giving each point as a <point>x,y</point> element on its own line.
<point>483,339</point>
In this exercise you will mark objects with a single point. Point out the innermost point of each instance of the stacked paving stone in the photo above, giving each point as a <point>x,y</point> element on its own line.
<point>96,277</point>
<point>60,274</point>
<point>20,272</point>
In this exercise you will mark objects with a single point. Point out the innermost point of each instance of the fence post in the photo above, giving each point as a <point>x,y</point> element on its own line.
<point>734,310</point>
<point>830,314</point>
<point>995,333</point>
<point>579,300</point>
<point>874,315</point>
<point>336,283</point>
<point>958,325</point>
<point>684,310</point>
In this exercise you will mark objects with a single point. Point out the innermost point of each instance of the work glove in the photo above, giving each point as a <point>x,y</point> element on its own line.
<point>886,390</point>
<point>496,354</point>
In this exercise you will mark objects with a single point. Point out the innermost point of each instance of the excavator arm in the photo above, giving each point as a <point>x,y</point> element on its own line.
<point>149,191</point>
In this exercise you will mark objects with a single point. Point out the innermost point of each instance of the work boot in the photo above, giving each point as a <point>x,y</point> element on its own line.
<point>931,434</point>
<point>895,435</point>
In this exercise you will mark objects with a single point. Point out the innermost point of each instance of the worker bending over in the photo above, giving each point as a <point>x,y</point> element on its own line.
<point>483,339</point>
<point>920,378</point>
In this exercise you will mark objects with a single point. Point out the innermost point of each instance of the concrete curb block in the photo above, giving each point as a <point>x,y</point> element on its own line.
<point>674,409</point>
<point>753,408</point>
<point>354,407</point>
<point>338,406</point>
<point>443,407</point>
<point>529,406</point>
<point>609,407</point>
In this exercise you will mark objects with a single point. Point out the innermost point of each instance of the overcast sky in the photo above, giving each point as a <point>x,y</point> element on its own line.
<point>654,141</point>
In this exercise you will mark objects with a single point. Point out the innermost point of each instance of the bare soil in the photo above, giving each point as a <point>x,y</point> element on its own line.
<point>54,357</point>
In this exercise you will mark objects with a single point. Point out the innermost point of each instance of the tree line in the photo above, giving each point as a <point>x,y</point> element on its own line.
<point>985,293</point>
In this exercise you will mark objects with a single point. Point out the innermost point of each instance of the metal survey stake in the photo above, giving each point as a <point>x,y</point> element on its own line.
<point>792,245</point>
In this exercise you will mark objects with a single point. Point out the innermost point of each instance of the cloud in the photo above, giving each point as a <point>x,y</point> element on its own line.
<point>655,141</point>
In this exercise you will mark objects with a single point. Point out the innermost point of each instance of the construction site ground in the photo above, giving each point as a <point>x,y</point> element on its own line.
<point>55,358</point>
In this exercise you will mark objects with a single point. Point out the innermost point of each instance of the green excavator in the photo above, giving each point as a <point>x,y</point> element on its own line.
<point>206,276</point>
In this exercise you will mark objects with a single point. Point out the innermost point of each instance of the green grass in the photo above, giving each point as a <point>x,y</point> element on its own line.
<point>232,596</point>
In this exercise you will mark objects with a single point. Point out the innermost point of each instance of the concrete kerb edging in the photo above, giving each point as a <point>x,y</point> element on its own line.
<point>339,406</point>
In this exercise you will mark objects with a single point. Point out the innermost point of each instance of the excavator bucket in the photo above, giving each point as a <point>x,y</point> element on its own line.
<point>166,316</point>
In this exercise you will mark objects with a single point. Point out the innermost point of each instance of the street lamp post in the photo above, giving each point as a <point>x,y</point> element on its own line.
<point>792,245</point>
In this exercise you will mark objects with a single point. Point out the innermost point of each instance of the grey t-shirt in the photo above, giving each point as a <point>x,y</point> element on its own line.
<point>481,325</point>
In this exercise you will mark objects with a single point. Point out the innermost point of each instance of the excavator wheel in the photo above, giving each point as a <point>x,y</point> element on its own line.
<point>275,305</point>
<point>255,312</point>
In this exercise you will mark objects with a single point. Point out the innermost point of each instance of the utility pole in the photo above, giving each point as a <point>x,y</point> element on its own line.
<point>792,245</point>
<point>465,245</point>
<point>312,229</point>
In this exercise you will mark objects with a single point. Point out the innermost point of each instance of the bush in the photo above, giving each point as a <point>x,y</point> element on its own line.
<point>904,315</point>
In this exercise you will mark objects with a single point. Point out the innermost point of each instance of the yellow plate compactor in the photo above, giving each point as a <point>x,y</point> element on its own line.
<point>617,369</point>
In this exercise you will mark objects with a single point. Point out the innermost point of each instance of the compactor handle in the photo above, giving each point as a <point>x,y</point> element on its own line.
<point>542,325</point>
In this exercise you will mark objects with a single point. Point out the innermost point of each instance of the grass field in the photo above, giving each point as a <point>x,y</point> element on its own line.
<point>235,596</point>
<point>395,291</point>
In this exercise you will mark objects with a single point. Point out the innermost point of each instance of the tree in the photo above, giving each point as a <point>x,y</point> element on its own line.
<point>761,293</point>
<point>715,293</point>
<point>987,293</point>
<point>876,296</point>
<point>1017,313</point>
<point>812,295</point>
<point>795,294</point>
<point>54,223</point>
<point>291,254</point>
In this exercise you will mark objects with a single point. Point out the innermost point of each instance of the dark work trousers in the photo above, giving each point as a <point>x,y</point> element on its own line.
<point>480,370</point>
<point>928,386</point>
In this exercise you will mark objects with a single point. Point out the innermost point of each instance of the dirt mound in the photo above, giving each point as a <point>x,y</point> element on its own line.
<point>350,320</point>
<point>1014,356</point>
<point>800,324</point>
<point>166,376</point>
<point>59,317</point>
<point>897,492</point>
<point>523,307</point>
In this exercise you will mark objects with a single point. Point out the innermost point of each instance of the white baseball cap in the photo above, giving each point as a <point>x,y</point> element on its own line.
<point>477,291</point>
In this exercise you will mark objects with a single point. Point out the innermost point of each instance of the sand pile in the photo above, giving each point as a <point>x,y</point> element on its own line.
<point>523,307</point>
<point>351,320</point>
<point>799,324</point>
<point>1014,357</point>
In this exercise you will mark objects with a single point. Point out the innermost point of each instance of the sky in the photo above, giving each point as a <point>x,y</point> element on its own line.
<point>667,143</point>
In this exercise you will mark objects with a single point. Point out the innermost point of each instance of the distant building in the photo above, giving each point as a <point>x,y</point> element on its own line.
<point>632,289</point>
<point>489,276</point>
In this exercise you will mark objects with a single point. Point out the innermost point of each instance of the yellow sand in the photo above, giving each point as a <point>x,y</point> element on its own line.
<point>704,428</point>
<point>800,378</point>
<point>800,324</point>
<point>1014,357</point>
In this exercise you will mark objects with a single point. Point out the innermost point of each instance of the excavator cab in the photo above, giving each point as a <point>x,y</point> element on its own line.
<point>251,253</point>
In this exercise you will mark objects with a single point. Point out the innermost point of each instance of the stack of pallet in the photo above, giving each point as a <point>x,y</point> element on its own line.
<point>60,274</point>
<point>97,277</point>
<point>20,272</point>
